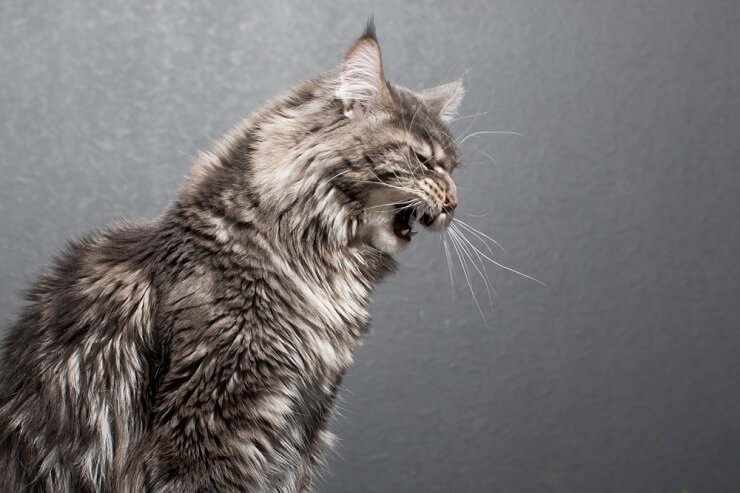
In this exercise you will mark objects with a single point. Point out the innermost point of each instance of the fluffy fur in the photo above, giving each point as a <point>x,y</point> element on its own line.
<point>202,351</point>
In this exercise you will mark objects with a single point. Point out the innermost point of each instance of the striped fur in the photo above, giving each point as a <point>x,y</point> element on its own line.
<point>202,351</point>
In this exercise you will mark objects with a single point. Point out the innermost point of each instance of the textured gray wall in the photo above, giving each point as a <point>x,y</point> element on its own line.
<point>622,195</point>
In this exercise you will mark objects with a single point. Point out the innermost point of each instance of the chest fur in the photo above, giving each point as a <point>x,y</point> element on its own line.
<point>279,332</point>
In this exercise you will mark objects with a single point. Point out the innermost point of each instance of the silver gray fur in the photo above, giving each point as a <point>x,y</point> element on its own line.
<point>202,351</point>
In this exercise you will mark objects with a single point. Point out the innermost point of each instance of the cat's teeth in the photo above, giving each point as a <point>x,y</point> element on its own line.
<point>405,231</point>
<point>413,233</point>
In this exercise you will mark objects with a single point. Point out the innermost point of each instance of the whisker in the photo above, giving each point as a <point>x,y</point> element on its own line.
<point>485,214</point>
<point>455,243</point>
<point>449,263</point>
<point>478,233</point>
<point>489,157</point>
<point>454,226</point>
<point>414,116</point>
<point>467,129</point>
<point>473,115</point>
<point>407,190</point>
<point>482,264</point>
<point>506,267</point>
<point>386,183</point>
<point>488,132</point>
<point>483,274</point>
<point>406,204</point>
<point>406,161</point>
<point>339,174</point>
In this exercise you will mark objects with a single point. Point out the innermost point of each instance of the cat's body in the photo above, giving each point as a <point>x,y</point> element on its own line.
<point>202,351</point>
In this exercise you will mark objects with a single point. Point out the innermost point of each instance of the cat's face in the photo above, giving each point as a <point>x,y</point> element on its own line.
<point>407,154</point>
<point>408,175</point>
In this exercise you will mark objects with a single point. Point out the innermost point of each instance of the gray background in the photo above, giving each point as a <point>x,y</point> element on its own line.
<point>621,194</point>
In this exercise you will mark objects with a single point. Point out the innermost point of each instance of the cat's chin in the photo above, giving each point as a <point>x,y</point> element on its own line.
<point>385,240</point>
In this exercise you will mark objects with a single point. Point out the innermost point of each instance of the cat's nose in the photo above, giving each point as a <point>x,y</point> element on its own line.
<point>451,197</point>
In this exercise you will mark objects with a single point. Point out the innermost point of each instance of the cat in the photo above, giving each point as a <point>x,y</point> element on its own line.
<point>202,351</point>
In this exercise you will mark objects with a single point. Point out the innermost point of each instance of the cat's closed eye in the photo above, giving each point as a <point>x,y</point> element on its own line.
<point>422,159</point>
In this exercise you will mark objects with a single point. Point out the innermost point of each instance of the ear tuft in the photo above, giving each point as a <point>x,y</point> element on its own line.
<point>362,87</point>
<point>370,30</point>
<point>445,100</point>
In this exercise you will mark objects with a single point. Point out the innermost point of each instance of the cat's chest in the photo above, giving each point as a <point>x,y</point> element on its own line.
<point>334,302</point>
<point>316,323</point>
<point>322,323</point>
<point>267,326</point>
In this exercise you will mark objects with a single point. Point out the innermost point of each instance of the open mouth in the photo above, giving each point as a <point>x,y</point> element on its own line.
<point>403,221</point>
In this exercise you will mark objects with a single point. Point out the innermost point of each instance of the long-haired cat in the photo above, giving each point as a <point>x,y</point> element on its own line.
<point>202,351</point>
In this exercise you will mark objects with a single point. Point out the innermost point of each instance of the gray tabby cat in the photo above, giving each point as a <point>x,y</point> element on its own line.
<point>202,351</point>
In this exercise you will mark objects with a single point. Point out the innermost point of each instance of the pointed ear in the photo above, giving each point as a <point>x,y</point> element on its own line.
<point>444,100</point>
<point>362,87</point>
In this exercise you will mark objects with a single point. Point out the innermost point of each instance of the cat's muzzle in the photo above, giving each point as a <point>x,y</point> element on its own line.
<point>406,216</point>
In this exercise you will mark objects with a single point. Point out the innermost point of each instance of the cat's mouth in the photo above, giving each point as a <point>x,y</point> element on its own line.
<point>403,223</point>
<point>389,229</point>
<point>405,217</point>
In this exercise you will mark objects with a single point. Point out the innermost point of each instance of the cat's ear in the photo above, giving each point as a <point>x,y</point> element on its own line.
<point>444,100</point>
<point>362,86</point>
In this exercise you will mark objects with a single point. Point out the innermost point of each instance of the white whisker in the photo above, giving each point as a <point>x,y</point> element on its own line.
<point>414,116</point>
<point>449,263</point>
<point>485,214</point>
<point>399,186</point>
<point>467,129</point>
<point>405,203</point>
<point>478,233</point>
<point>403,189</point>
<point>473,115</point>
<point>489,157</point>
<point>508,268</point>
<point>488,132</point>
<point>455,245</point>
<point>483,274</point>
<point>339,174</point>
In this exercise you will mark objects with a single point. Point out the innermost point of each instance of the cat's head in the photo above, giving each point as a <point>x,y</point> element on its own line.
<point>403,155</point>
<point>342,159</point>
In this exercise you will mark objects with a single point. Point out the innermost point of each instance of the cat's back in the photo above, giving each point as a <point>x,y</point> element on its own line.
<point>95,280</point>
<point>77,350</point>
